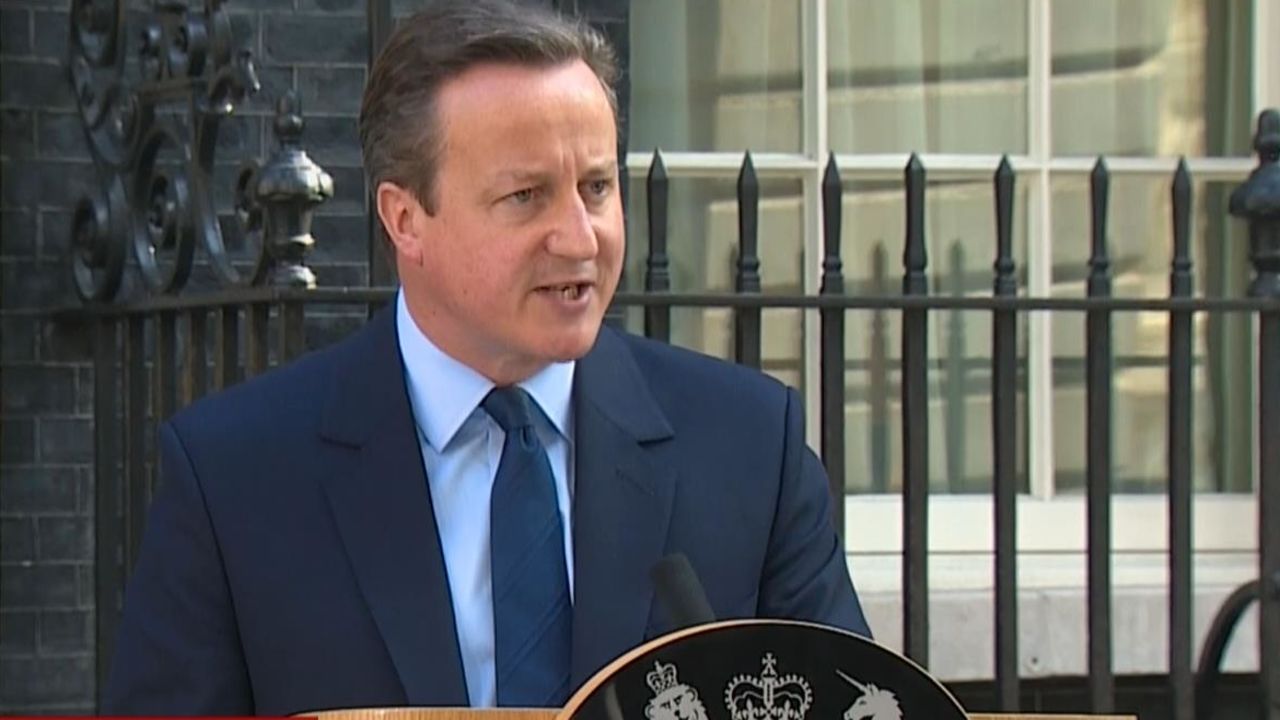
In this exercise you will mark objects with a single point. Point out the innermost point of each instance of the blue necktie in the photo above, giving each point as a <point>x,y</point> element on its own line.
<point>532,614</point>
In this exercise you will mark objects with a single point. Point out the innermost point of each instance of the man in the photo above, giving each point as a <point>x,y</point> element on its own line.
<point>461,503</point>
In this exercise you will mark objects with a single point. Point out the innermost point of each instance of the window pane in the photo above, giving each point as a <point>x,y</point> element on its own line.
<point>959,217</point>
<point>960,233</point>
<point>715,75</point>
<point>1159,77</point>
<point>1140,246</point>
<point>702,243</point>
<point>927,75</point>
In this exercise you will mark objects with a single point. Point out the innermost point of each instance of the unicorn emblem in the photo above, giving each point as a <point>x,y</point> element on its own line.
<point>873,704</point>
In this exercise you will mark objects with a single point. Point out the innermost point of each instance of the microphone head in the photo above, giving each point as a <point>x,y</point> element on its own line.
<point>680,592</point>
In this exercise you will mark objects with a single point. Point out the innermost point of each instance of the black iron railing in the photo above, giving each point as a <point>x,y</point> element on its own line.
<point>160,353</point>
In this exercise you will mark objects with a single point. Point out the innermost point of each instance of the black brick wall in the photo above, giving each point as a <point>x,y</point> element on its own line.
<point>46,530</point>
<point>318,47</point>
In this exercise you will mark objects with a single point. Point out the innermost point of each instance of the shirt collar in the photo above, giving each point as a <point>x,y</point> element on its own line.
<point>444,392</point>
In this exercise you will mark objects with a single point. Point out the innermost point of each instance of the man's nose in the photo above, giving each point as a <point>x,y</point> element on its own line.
<point>573,236</point>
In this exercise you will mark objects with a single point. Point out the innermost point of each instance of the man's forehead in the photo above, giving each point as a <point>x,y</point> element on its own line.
<point>486,83</point>
<point>517,99</point>
<point>507,123</point>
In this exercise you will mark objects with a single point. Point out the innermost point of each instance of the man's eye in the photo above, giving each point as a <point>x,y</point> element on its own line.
<point>522,197</point>
<point>599,187</point>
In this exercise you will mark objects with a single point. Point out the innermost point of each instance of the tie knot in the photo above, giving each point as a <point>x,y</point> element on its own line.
<point>510,407</point>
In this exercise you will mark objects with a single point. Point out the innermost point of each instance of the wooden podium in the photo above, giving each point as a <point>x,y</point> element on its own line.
<point>741,670</point>
<point>510,714</point>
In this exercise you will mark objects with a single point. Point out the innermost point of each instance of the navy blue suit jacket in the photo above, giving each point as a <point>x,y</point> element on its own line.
<point>291,560</point>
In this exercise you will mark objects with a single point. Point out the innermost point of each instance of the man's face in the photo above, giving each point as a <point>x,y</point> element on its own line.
<point>523,253</point>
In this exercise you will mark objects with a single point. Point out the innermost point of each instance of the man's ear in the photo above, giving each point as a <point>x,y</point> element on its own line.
<point>403,218</point>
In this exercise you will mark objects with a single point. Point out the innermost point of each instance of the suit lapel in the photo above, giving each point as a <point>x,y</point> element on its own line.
<point>382,507</point>
<point>622,503</point>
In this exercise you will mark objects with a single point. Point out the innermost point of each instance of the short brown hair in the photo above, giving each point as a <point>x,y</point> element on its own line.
<point>399,133</point>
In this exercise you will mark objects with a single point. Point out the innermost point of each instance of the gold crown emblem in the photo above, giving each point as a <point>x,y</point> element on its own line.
<point>661,678</point>
<point>768,696</point>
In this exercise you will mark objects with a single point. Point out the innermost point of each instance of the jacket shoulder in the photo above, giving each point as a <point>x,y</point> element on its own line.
<point>693,372</point>
<point>283,399</point>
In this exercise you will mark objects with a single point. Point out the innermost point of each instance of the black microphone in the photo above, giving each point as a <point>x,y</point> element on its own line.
<point>680,592</point>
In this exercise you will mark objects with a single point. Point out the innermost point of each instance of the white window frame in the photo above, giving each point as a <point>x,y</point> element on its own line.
<point>1047,523</point>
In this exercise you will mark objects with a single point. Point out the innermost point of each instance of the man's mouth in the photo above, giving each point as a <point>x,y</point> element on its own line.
<point>567,292</point>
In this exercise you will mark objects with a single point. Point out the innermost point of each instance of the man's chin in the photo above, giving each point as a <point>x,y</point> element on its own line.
<point>574,348</point>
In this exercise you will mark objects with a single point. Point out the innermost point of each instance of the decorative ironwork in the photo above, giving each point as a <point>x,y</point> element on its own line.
<point>153,134</point>
<point>1258,202</point>
<point>288,189</point>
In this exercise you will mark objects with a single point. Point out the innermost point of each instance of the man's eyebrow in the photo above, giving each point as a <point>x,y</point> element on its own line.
<point>603,169</point>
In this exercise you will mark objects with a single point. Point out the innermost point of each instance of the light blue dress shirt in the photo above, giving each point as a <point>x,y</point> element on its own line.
<point>461,447</point>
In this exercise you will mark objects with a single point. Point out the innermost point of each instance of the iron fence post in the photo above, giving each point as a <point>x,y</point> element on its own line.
<point>1004,443</point>
<point>657,275</point>
<point>1258,202</point>
<point>1099,371</point>
<point>746,278</point>
<point>915,423</point>
<point>1181,681</point>
<point>832,343</point>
